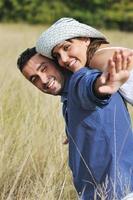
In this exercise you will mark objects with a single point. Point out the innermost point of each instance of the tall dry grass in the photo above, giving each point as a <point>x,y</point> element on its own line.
<point>33,160</point>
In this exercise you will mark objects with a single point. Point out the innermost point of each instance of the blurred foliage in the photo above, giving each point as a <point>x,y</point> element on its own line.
<point>101,13</point>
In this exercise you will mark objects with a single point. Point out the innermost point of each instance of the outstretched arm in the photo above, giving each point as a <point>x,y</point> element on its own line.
<point>101,57</point>
<point>117,74</point>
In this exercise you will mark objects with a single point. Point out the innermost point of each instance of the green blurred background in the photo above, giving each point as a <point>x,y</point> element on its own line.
<point>109,14</point>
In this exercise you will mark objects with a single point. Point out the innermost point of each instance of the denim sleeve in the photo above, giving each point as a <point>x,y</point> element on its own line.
<point>83,87</point>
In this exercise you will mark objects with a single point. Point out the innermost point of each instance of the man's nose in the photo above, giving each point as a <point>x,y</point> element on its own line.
<point>43,78</point>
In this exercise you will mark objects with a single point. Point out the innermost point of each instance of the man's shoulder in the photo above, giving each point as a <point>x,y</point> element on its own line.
<point>84,71</point>
<point>82,77</point>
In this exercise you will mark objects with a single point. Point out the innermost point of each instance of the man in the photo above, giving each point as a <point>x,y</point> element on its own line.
<point>95,123</point>
<point>51,81</point>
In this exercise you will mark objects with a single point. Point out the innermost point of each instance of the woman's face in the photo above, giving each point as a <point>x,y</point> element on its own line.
<point>72,54</point>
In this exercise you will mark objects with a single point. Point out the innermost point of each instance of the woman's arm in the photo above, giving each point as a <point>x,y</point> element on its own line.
<point>101,57</point>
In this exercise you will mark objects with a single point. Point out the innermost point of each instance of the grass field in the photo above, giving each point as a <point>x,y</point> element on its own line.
<point>33,160</point>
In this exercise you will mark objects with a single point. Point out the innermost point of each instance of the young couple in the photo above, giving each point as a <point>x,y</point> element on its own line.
<point>97,121</point>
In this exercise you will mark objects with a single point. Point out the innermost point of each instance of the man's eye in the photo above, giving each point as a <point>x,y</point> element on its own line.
<point>43,68</point>
<point>34,79</point>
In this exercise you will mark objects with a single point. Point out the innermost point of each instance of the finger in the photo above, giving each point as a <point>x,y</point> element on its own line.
<point>115,54</point>
<point>129,60</point>
<point>124,60</point>
<point>118,62</point>
<point>111,68</point>
<point>103,78</point>
<point>106,90</point>
<point>131,53</point>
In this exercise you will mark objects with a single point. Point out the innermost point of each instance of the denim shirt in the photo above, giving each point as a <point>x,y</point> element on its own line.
<point>100,139</point>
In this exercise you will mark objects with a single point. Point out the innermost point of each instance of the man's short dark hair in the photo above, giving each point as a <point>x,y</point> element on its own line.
<point>25,57</point>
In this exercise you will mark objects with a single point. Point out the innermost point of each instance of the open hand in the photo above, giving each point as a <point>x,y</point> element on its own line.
<point>117,73</point>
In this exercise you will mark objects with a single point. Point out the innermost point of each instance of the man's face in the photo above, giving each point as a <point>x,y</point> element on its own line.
<point>43,73</point>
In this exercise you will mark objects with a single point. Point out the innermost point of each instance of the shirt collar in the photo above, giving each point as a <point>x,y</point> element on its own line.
<point>64,92</point>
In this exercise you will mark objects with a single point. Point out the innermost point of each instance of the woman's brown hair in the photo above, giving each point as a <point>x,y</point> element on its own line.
<point>95,43</point>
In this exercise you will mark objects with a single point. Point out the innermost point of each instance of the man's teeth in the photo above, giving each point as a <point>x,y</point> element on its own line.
<point>51,84</point>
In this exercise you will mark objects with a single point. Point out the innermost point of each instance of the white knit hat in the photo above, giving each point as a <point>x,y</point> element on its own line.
<point>61,30</point>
